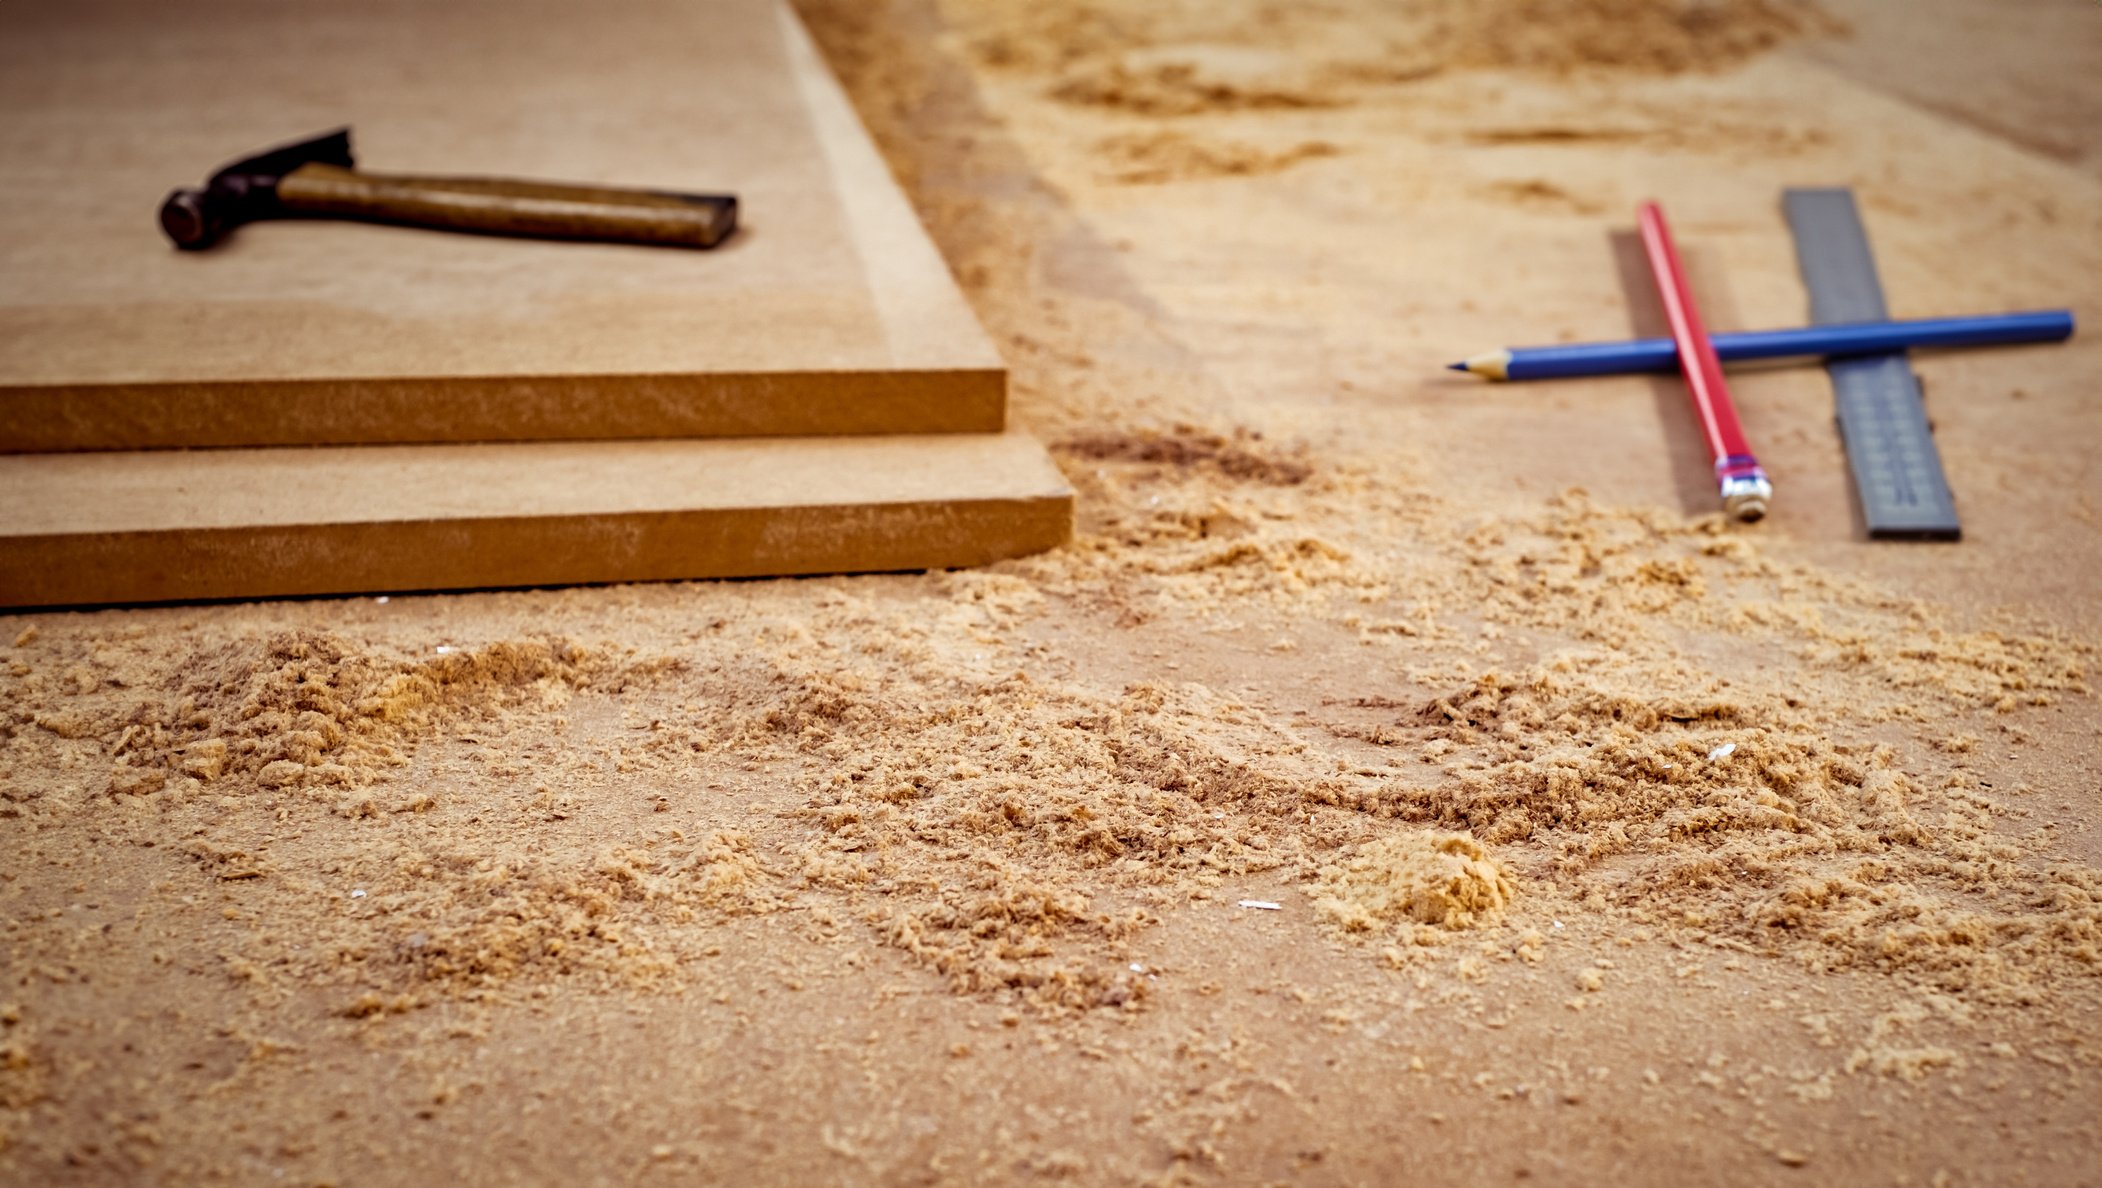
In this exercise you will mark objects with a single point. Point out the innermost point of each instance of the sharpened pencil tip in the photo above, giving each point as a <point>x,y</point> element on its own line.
<point>1456,367</point>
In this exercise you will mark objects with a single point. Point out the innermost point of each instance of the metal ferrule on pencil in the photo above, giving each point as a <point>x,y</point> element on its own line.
<point>1745,488</point>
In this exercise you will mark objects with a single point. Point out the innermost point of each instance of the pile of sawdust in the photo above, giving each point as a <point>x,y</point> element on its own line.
<point>1155,157</point>
<point>977,820</point>
<point>1147,60</point>
<point>1040,37</point>
<point>1195,518</point>
<point>1242,454</point>
<point>1192,80</point>
<point>1651,36</point>
<point>1620,772</point>
<point>1734,816</point>
<point>1625,577</point>
<point>217,745</point>
<point>1539,194</point>
<point>459,921</point>
<point>295,709</point>
<point>22,1075</point>
<point>1443,880</point>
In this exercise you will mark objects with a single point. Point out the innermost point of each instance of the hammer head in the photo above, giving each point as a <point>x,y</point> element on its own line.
<point>245,190</point>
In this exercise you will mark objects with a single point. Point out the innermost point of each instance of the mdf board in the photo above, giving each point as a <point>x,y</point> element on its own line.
<point>830,312</point>
<point>87,528</point>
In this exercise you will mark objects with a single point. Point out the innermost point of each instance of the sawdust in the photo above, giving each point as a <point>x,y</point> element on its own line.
<point>1168,61</point>
<point>23,1075</point>
<point>1271,666</point>
<point>1040,37</point>
<point>1015,832</point>
<point>210,741</point>
<point>1597,789</point>
<point>1542,195</point>
<point>1443,880</point>
<point>1643,36</point>
<point>1241,454</point>
<point>294,709</point>
<point>1738,818</point>
<point>1159,157</point>
<point>1650,126</point>
<point>1639,782</point>
<point>977,820</point>
<point>1895,1047</point>
<point>1193,80</point>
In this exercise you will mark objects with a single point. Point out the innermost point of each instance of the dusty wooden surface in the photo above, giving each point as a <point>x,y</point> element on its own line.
<point>935,879</point>
<point>297,332</point>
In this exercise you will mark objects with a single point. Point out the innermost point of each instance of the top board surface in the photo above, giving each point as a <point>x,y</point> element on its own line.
<point>829,296</point>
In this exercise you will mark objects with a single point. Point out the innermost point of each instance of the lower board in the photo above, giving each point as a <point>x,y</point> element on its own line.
<point>78,529</point>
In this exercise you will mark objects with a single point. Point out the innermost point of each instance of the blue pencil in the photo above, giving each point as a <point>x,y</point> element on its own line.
<point>1865,338</point>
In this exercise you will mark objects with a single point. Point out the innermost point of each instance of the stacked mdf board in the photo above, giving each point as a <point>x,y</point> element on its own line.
<point>830,313</point>
<point>316,407</point>
<point>145,527</point>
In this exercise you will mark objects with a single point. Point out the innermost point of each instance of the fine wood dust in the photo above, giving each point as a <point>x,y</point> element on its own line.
<point>1146,159</point>
<point>211,741</point>
<point>1625,35</point>
<point>1196,80</point>
<point>1014,832</point>
<point>1606,766</point>
<point>1535,193</point>
<point>1176,60</point>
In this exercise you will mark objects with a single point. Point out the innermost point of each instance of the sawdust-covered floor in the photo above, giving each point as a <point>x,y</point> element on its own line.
<point>1608,841</point>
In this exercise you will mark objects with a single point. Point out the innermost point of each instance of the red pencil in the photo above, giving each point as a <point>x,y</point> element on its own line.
<point>1745,490</point>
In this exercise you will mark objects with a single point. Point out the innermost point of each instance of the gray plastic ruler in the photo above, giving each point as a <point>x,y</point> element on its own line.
<point>1897,470</point>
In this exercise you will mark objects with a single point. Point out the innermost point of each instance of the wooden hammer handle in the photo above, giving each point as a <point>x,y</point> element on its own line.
<point>497,206</point>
